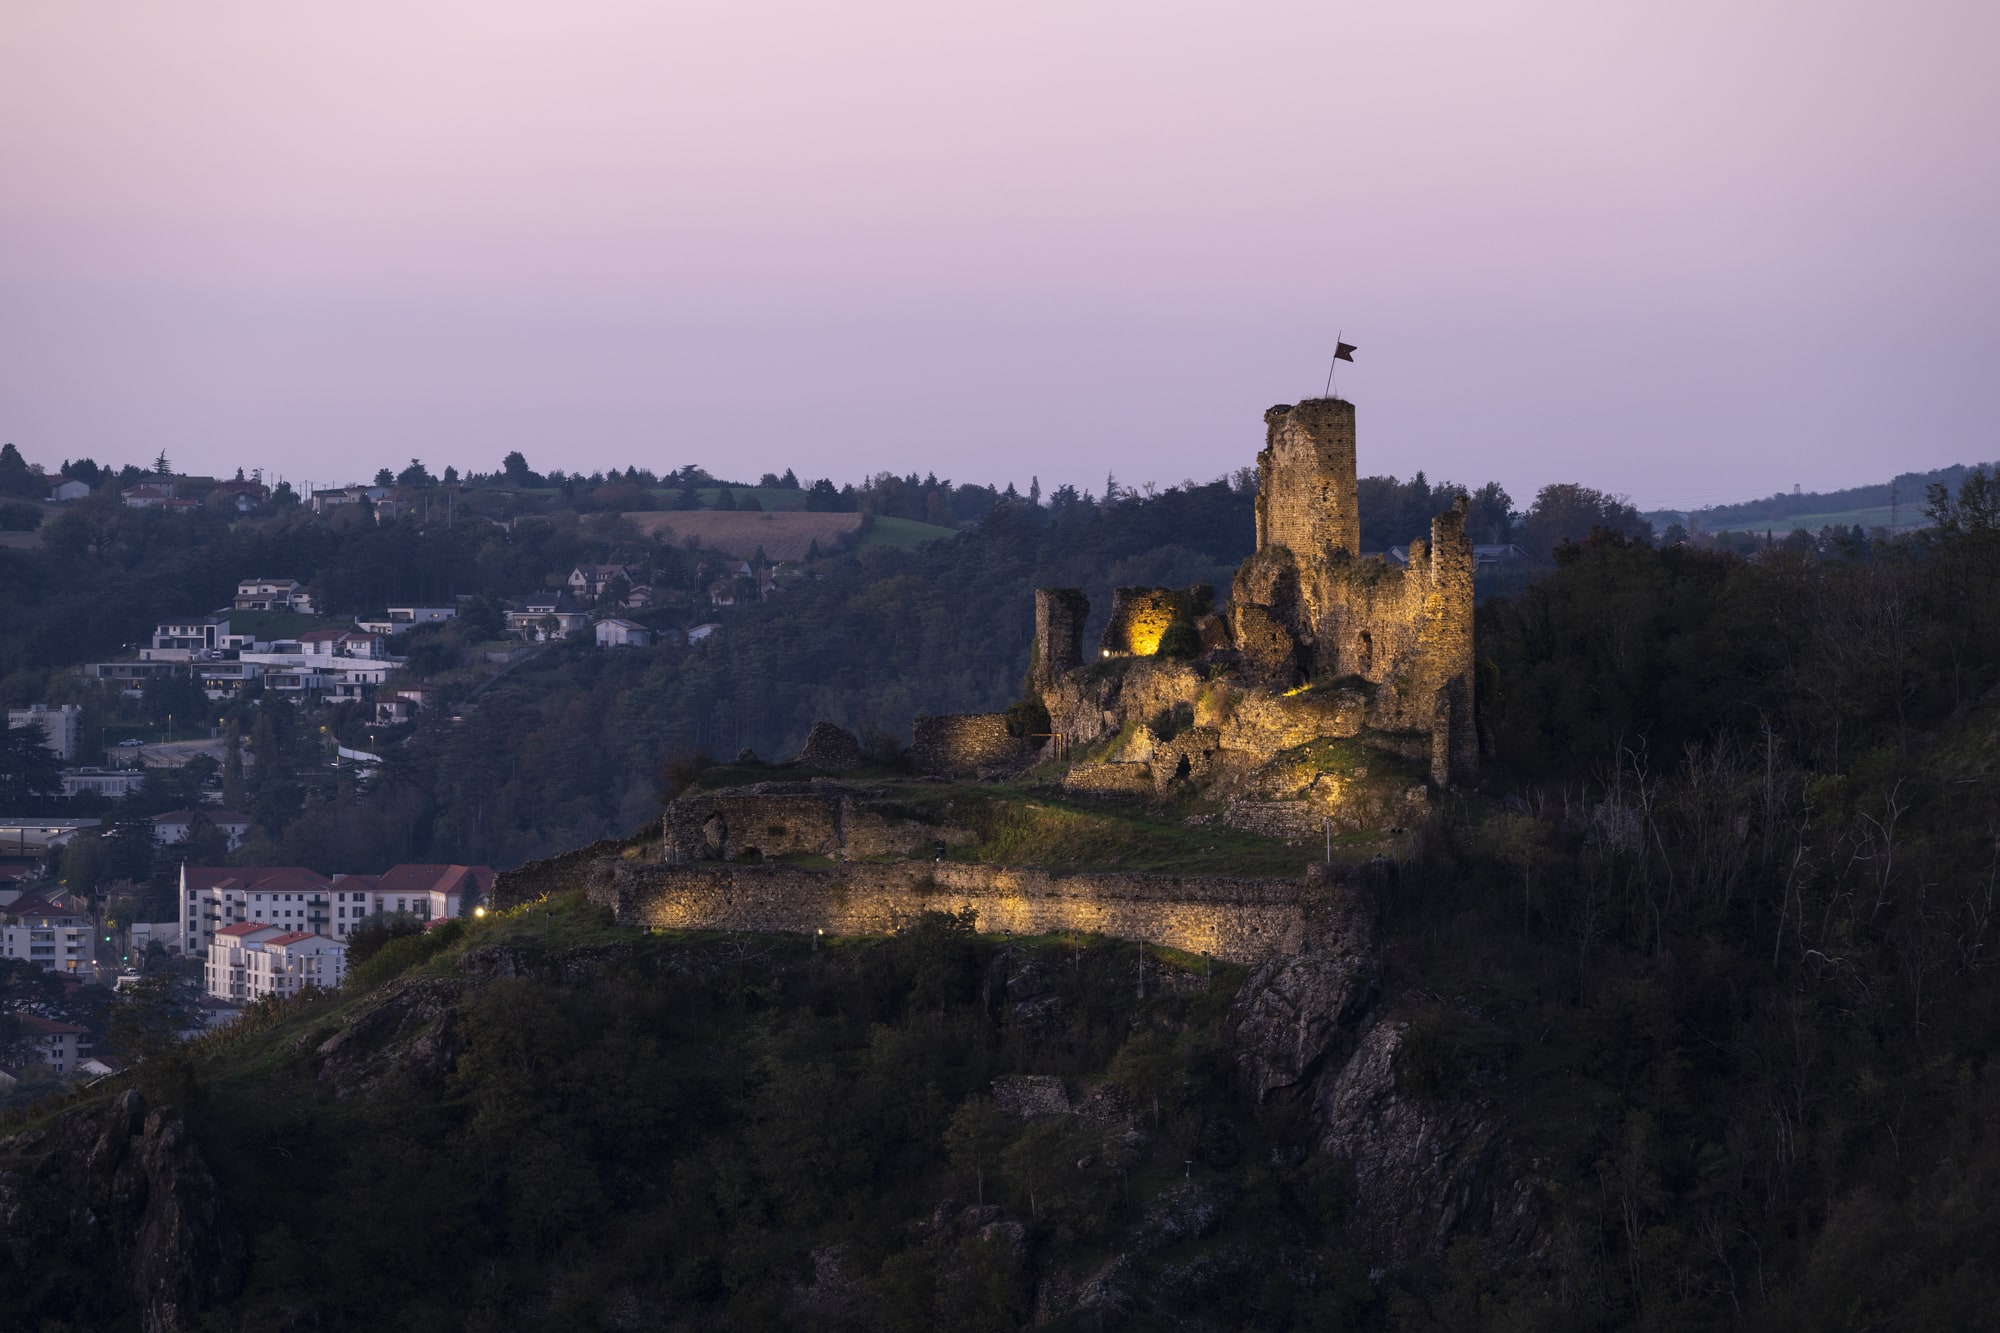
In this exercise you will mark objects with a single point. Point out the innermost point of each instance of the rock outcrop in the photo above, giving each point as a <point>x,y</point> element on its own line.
<point>115,1188</point>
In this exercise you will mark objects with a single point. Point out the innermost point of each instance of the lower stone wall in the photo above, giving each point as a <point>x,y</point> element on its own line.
<point>1234,919</point>
<point>965,744</point>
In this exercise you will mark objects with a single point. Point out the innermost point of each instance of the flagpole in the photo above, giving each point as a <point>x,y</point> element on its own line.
<point>1331,364</point>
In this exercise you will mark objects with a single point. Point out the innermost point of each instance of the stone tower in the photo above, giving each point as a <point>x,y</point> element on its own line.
<point>1305,480</point>
<point>1059,617</point>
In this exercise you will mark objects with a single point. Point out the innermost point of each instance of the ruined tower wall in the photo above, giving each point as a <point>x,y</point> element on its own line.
<point>1140,617</point>
<point>1306,498</point>
<point>1059,617</point>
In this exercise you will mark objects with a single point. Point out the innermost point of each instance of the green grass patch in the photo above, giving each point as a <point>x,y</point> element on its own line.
<point>905,534</point>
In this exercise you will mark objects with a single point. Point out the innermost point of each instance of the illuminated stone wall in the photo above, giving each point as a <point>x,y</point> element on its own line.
<point>1235,919</point>
<point>1140,617</point>
<point>966,744</point>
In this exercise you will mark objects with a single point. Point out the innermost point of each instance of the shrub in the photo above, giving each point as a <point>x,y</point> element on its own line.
<point>1182,639</point>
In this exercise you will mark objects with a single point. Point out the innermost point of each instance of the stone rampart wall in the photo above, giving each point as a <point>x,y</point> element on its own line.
<point>966,744</point>
<point>1236,919</point>
<point>787,819</point>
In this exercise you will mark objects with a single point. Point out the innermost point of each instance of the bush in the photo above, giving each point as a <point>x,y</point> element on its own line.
<point>1028,717</point>
<point>403,952</point>
<point>1182,639</point>
<point>368,939</point>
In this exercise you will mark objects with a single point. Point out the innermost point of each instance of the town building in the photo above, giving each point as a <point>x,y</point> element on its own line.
<point>62,724</point>
<point>588,582</point>
<point>273,595</point>
<point>182,640</point>
<point>294,898</point>
<point>68,489</point>
<point>615,633</point>
<point>252,961</point>
<point>49,930</point>
<point>61,1046</point>
<point>178,825</point>
<point>111,782</point>
<point>547,616</point>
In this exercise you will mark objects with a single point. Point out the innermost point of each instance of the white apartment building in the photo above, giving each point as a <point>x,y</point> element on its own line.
<point>426,892</point>
<point>182,640</point>
<point>214,898</point>
<point>60,1046</point>
<point>250,961</point>
<point>49,934</point>
<point>62,724</point>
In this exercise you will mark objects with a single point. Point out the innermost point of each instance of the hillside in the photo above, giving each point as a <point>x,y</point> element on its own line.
<point>1899,503</point>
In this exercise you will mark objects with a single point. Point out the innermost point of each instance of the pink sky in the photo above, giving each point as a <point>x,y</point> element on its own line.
<point>1691,252</point>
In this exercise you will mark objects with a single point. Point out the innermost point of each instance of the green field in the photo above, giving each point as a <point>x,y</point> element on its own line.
<point>905,534</point>
<point>1907,517</point>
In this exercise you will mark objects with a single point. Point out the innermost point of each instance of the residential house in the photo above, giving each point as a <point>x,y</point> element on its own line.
<point>701,632</point>
<point>129,677</point>
<point>60,1046</point>
<point>146,495</point>
<point>325,501</point>
<point>183,640</point>
<point>588,582</point>
<point>1485,559</point>
<point>622,634</point>
<point>273,595</point>
<point>49,930</point>
<point>112,782</point>
<point>393,712</point>
<point>244,496</point>
<point>178,825</point>
<point>69,488</point>
<point>547,616</point>
<point>640,596</point>
<point>402,619</point>
<point>61,725</point>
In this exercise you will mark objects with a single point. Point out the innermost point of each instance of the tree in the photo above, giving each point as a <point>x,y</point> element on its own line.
<point>16,477</point>
<point>29,770</point>
<point>232,767</point>
<point>384,477</point>
<point>161,467</point>
<point>514,467</point>
<point>450,476</point>
<point>416,474</point>
<point>283,496</point>
<point>725,499</point>
<point>789,481</point>
<point>1567,512</point>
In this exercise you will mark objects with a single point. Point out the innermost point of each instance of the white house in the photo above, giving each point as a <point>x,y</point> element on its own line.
<point>62,724</point>
<point>176,825</point>
<point>68,489</point>
<point>617,633</point>
<point>146,495</point>
<point>180,640</point>
<point>546,616</point>
<point>402,619</point>
<point>700,632</point>
<point>273,595</point>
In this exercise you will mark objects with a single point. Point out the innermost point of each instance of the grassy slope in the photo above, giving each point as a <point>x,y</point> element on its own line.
<point>905,534</point>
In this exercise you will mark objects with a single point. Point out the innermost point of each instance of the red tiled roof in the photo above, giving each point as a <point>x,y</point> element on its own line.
<point>261,878</point>
<point>434,879</point>
<point>243,928</point>
<point>29,904</point>
<point>291,937</point>
<point>49,1027</point>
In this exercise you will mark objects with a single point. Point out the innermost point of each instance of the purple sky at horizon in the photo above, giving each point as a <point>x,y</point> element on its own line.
<point>1692,253</point>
